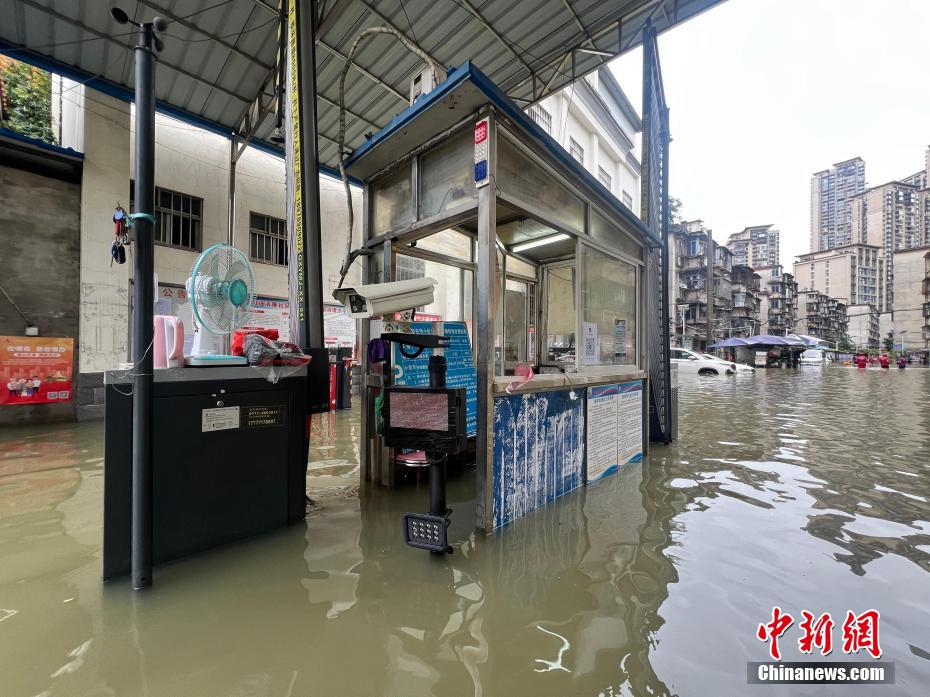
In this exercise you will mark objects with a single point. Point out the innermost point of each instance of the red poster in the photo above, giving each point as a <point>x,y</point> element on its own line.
<point>35,369</point>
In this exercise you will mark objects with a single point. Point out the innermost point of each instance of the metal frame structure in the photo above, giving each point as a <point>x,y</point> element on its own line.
<point>480,218</point>
<point>655,208</point>
<point>220,70</point>
<point>237,46</point>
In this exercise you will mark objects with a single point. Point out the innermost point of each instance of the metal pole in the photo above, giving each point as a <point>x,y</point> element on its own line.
<point>309,247</point>
<point>143,309</point>
<point>231,198</point>
<point>710,288</point>
<point>437,467</point>
<point>486,306</point>
<point>666,343</point>
<point>231,216</point>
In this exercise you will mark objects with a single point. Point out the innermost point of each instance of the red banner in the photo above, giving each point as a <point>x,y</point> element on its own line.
<point>35,369</point>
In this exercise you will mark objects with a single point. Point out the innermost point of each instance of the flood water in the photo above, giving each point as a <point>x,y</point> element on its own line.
<point>805,489</point>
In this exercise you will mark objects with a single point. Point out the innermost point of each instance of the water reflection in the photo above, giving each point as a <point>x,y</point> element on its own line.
<point>807,489</point>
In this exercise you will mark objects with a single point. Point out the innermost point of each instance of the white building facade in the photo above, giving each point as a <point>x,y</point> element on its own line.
<point>595,122</point>
<point>192,175</point>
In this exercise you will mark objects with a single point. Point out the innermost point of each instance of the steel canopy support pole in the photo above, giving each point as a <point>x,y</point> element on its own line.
<point>306,162</point>
<point>671,414</point>
<point>143,307</point>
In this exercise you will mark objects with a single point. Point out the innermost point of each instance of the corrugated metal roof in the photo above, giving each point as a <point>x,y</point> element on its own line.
<point>219,54</point>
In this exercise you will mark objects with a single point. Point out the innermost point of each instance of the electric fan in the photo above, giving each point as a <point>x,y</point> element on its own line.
<point>221,289</point>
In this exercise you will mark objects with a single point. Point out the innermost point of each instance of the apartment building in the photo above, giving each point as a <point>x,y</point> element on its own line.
<point>726,306</point>
<point>911,317</point>
<point>831,193</point>
<point>777,300</point>
<point>821,316</point>
<point>889,216</point>
<point>853,272</point>
<point>689,267</point>
<point>755,246</point>
<point>863,326</point>
<point>596,123</point>
<point>744,318</point>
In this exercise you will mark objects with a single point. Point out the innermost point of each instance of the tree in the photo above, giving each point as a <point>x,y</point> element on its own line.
<point>674,210</point>
<point>27,96</point>
<point>889,342</point>
<point>845,345</point>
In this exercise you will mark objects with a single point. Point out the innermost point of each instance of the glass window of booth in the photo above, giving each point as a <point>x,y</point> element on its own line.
<point>526,181</point>
<point>609,300</point>
<point>449,242</point>
<point>520,323</point>
<point>611,236</point>
<point>446,177</point>
<point>391,201</point>
<point>453,288</point>
<point>559,307</point>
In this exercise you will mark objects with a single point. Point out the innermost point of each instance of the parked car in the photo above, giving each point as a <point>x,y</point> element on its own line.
<point>692,362</point>
<point>740,367</point>
<point>814,357</point>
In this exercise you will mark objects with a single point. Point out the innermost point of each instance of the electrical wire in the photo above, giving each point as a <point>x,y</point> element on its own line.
<point>340,145</point>
<point>409,23</point>
<point>130,371</point>
<point>8,51</point>
<point>227,36</point>
<point>207,9</point>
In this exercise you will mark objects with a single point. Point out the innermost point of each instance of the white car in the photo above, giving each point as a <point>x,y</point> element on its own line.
<point>740,367</point>
<point>691,362</point>
<point>814,357</point>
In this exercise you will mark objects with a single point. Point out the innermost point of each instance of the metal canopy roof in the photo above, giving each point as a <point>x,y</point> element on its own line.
<point>217,68</point>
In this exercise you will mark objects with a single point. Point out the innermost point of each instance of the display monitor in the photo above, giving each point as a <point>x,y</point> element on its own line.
<point>424,418</point>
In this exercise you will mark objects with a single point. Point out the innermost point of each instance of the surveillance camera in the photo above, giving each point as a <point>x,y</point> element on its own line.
<point>379,299</point>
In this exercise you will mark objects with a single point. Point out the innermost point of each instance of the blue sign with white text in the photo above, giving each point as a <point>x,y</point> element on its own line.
<point>460,368</point>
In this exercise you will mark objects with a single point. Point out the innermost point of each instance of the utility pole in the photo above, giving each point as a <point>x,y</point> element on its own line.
<point>709,288</point>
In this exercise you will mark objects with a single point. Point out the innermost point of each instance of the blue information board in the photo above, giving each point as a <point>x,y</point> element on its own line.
<point>460,368</point>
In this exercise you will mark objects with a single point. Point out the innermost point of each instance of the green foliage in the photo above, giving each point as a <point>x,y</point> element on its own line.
<point>845,345</point>
<point>28,100</point>
<point>674,210</point>
<point>889,342</point>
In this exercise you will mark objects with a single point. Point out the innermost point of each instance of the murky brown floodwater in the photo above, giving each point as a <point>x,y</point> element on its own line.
<point>810,490</point>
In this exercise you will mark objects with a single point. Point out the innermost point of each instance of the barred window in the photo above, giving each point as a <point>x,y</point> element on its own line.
<point>627,200</point>
<point>575,150</point>
<point>408,268</point>
<point>267,239</point>
<point>178,218</point>
<point>604,176</point>
<point>542,117</point>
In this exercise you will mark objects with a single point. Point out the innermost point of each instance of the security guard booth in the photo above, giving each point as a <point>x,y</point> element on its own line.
<point>538,265</point>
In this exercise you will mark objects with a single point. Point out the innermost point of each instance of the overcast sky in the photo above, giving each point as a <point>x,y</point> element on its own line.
<point>763,93</point>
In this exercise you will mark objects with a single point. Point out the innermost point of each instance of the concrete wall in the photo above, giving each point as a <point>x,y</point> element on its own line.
<point>40,243</point>
<point>909,273</point>
<point>863,319</point>
<point>104,298</point>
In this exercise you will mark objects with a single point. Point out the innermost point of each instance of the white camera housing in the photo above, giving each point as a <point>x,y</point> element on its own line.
<point>379,299</point>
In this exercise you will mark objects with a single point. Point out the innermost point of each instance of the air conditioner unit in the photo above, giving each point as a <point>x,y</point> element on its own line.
<point>425,82</point>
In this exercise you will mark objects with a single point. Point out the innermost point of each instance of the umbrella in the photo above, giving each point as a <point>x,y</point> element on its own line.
<point>728,343</point>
